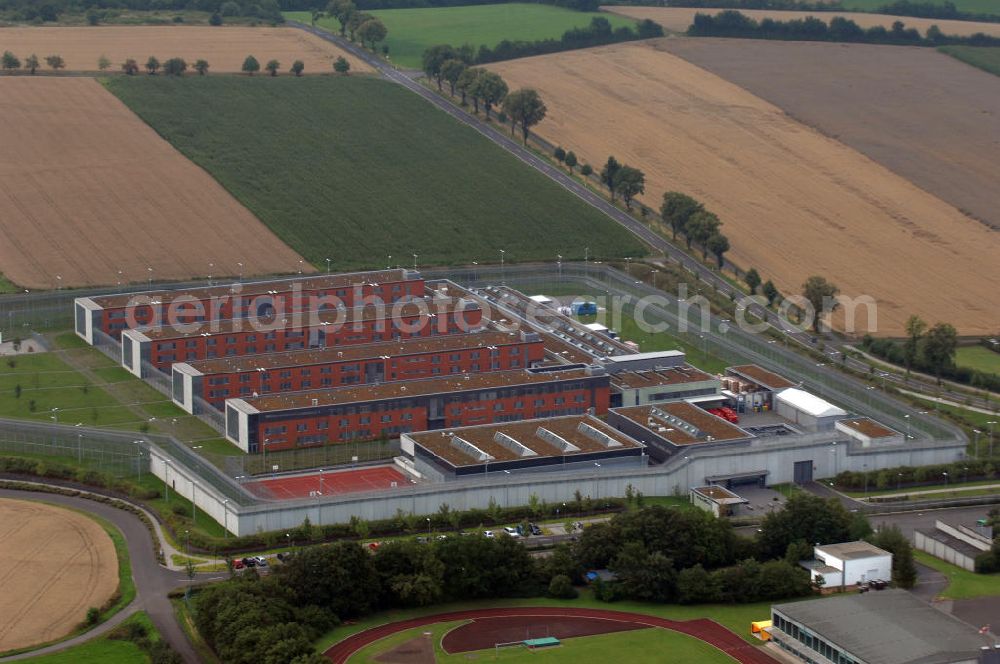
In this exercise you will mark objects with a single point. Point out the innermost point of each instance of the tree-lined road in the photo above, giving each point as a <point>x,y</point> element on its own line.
<point>834,346</point>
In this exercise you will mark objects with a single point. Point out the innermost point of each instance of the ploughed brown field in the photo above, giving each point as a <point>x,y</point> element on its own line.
<point>223,48</point>
<point>924,115</point>
<point>87,190</point>
<point>794,202</point>
<point>56,564</point>
<point>678,19</point>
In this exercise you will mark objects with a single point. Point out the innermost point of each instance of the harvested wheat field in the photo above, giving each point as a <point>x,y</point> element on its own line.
<point>56,564</point>
<point>924,115</point>
<point>88,190</point>
<point>223,48</point>
<point>678,19</point>
<point>794,202</point>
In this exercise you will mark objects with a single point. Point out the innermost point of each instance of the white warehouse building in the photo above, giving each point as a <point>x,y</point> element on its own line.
<point>849,563</point>
<point>807,410</point>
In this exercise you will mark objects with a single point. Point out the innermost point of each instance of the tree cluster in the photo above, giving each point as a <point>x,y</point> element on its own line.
<point>599,32</point>
<point>945,10</point>
<point>100,11</point>
<point>687,216</point>
<point>907,477</point>
<point>11,63</point>
<point>731,23</point>
<point>356,23</point>
<point>931,350</point>
<point>577,5</point>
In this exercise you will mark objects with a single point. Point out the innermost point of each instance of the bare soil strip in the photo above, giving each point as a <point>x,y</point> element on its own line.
<point>794,202</point>
<point>223,48</point>
<point>56,565</point>
<point>88,191</point>
<point>678,19</point>
<point>922,114</point>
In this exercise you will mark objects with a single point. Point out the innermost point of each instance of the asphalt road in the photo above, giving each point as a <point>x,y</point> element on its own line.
<point>152,582</point>
<point>834,346</point>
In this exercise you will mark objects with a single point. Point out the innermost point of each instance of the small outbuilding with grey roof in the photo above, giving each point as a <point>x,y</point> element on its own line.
<point>884,627</point>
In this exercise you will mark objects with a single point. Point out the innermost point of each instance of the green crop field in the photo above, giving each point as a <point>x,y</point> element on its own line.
<point>977,357</point>
<point>357,169</point>
<point>984,57</point>
<point>645,645</point>
<point>411,31</point>
<point>971,6</point>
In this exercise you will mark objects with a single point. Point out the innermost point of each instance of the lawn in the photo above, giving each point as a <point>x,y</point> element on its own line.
<point>6,286</point>
<point>412,31</point>
<point>735,617</point>
<point>971,6</point>
<point>103,650</point>
<point>357,169</point>
<point>971,418</point>
<point>630,329</point>
<point>962,583</point>
<point>978,357</point>
<point>646,645</point>
<point>46,382</point>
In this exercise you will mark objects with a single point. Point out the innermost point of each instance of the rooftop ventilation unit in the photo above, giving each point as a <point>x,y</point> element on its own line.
<point>517,448</point>
<point>556,440</point>
<point>467,448</point>
<point>597,435</point>
<point>677,422</point>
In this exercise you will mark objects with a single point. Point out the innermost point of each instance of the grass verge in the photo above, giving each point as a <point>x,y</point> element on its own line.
<point>962,584</point>
<point>104,650</point>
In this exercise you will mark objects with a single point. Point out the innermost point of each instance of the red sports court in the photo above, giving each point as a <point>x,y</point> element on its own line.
<point>328,483</point>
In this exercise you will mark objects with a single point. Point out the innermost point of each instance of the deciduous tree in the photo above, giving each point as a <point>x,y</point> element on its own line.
<point>939,347</point>
<point>451,71</point>
<point>201,66</point>
<point>152,65</point>
<point>526,108</point>
<point>103,62</point>
<point>629,183</point>
<point>250,65</point>
<point>31,63</point>
<point>770,291</point>
<point>752,280</point>
<point>677,208</point>
<point>272,67</point>
<point>372,31</point>
<point>341,65</point>
<point>609,175</point>
<point>130,67</point>
<point>915,328</point>
<point>175,67</point>
<point>491,90</point>
<point>55,62</point>
<point>718,244</point>
<point>821,294</point>
<point>434,58</point>
<point>297,67</point>
<point>570,161</point>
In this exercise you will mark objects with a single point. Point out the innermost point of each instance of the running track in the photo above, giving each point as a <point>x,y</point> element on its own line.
<point>704,629</point>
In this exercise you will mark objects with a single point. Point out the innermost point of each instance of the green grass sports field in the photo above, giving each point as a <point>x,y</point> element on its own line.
<point>411,31</point>
<point>645,645</point>
<point>355,169</point>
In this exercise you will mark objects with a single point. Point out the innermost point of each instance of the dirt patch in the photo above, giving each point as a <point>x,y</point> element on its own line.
<point>88,192</point>
<point>924,115</point>
<point>487,632</point>
<point>678,19</point>
<point>794,202</point>
<point>56,565</point>
<point>223,48</point>
<point>419,650</point>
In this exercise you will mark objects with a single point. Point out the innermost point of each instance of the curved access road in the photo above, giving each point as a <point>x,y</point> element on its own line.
<point>704,629</point>
<point>152,582</point>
